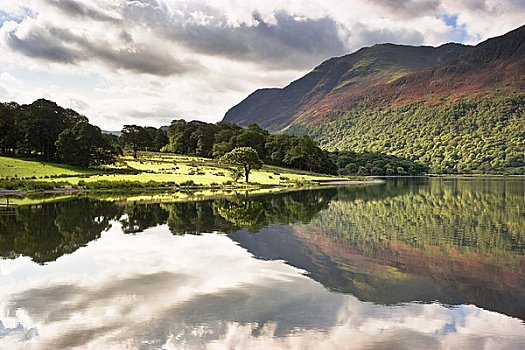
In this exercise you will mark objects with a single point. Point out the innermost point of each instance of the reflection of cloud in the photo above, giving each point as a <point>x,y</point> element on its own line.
<point>155,289</point>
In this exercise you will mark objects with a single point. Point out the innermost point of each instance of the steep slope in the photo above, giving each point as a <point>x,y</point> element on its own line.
<point>390,75</point>
<point>464,114</point>
<point>275,109</point>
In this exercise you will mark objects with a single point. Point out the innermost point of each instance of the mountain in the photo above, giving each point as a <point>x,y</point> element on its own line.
<point>455,108</point>
<point>275,109</point>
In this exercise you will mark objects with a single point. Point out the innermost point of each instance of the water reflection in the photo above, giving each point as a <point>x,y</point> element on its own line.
<point>146,283</point>
<point>155,290</point>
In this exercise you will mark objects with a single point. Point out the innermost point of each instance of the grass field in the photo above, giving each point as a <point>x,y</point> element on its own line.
<point>19,168</point>
<point>158,167</point>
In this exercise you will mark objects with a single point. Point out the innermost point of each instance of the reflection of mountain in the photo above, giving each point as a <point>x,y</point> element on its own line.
<point>367,279</point>
<point>200,292</point>
<point>399,274</point>
<point>447,240</point>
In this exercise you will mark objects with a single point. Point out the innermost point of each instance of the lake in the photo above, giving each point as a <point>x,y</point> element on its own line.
<point>410,264</point>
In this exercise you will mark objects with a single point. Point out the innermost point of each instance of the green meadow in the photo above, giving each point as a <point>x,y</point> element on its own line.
<point>20,168</point>
<point>147,170</point>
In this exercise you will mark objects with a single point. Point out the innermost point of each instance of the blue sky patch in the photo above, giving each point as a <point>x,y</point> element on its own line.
<point>459,32</point>
<point>6,17</point>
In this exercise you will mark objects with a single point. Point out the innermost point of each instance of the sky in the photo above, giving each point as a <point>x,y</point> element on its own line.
<point>148,62</point>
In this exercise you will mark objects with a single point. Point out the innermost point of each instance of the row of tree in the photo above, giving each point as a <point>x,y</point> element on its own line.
<point>215,140</point>
<point>57,134</point>
<point>47,130</point>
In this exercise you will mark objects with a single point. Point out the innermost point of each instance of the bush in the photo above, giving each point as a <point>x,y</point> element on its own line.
<point>31,185</point>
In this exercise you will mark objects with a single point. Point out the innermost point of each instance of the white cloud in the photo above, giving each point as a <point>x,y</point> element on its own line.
<point>158,60</point>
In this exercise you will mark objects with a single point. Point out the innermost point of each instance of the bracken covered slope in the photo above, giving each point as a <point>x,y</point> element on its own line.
<point>390,75</point>
<point>456,109</point>
<point>275,109</point>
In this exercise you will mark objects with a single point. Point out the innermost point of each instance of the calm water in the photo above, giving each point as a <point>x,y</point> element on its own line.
<point>411,264</point>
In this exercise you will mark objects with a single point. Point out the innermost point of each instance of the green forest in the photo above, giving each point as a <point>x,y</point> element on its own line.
<point>44,130</point>
<point>466,136</point>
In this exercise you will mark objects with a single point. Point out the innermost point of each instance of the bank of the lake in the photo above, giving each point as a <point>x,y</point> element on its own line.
<point>154,174</point>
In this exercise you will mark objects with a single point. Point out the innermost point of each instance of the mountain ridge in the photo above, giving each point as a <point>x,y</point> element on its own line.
<point>389,75</point>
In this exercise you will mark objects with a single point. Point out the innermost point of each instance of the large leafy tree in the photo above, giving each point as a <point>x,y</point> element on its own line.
<point>243,159</point>
<point>10,130</point>
<point>306,155</point>
<point>135,137</point>
<point>84,145</point>
<point>37,126</point>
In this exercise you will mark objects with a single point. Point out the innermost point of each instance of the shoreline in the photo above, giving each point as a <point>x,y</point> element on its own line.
<point>163,194</point>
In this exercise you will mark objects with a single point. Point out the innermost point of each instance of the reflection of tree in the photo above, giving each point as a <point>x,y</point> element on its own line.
<point>143,216</point>
<point>250,212</point>
<point>195,218</point>
<point>254,213</point>
<point>242,213</point>
<point>47,231</point>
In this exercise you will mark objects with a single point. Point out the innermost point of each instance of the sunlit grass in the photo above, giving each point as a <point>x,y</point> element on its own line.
<point>158,167</point>
<point>19,168</point>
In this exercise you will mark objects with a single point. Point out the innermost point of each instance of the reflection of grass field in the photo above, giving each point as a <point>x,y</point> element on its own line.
<point>147,167</point>
<point>159,196</point>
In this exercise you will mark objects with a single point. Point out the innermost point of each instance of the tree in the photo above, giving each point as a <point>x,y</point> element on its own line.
<point>242,158</point>
<point>253,136</point>
<point>40,124</point>
<point>8,125</point>
<point>84,145</point>
<point>135,137</point>
<point>305,154</point>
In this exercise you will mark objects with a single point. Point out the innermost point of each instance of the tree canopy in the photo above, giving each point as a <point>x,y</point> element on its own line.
<point>484,135</point>
<point>244,159</point>
<point>44,129</point>
<point>84,145</point>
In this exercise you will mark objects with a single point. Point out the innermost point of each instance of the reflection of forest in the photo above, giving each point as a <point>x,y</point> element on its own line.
<point>476,216</point>
<point>47,231</point>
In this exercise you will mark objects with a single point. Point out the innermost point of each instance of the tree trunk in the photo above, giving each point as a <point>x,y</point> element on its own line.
<point>246,172</point>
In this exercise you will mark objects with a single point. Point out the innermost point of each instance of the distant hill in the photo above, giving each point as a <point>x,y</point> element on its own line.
<point>421,103</point>
<point>112,132</point>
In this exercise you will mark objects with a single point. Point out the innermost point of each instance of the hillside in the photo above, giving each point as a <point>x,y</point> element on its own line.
<point>275,109</point>
<point>455,108</point>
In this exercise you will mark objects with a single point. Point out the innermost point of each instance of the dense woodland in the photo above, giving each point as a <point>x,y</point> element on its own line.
<point>467,136</point>
<point>45,130</point>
